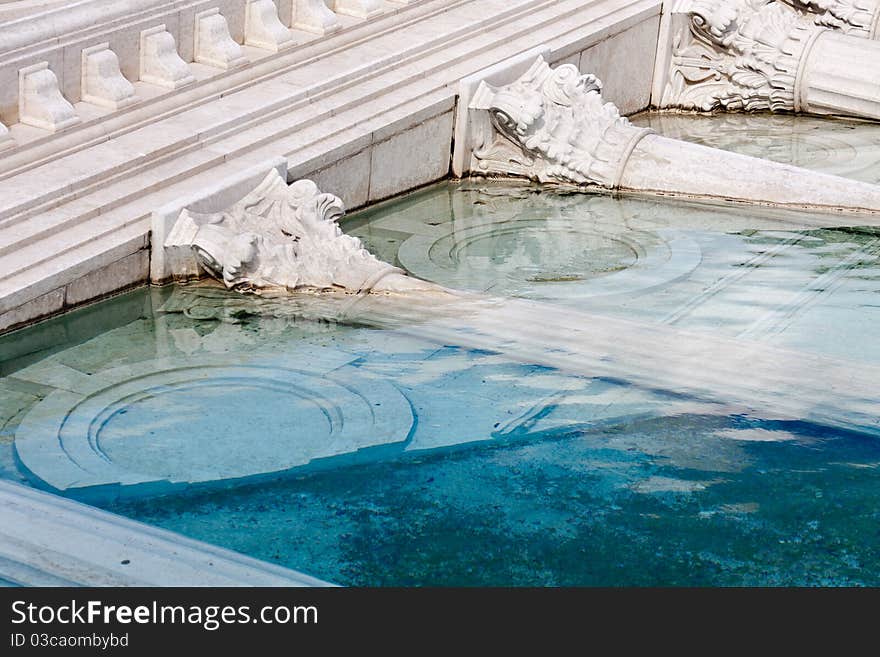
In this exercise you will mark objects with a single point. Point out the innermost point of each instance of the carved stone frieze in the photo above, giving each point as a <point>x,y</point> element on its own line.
<point>768,55</point>
<point>552,125</point>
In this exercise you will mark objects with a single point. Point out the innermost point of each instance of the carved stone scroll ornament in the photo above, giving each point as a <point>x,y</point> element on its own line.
<point>102,81</point>
<point>40,102</point>
<point>160,64</point>
<point>738,55</point>
<point>284,237</point>
<point>263,28</point>
<point>855,17</point>
<point>552,125</point>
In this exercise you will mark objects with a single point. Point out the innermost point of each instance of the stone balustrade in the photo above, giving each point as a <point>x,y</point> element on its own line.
<point>69,66</point>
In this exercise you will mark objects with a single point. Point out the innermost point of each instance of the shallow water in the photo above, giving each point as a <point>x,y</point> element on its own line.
<point>693,500</point>
<point>782,279</point>
<point>651,393</point>
<point>843,147</point>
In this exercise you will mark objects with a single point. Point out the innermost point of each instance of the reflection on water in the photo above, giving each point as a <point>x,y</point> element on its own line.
<point>785,279</point>
<point>843,147</point>
<point>675,501</point>
<point>628,391</point>
<point>298,385</point>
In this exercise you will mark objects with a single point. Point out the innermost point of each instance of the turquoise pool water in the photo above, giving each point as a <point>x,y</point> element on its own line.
<point>638,393</point>
<point>688,500</point>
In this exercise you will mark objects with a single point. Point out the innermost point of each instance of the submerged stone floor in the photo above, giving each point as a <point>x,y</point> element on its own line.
<point>783,279</point>
<point>693,500</point>
<point>554,479</point>
<point>218,392</point>
<point>638,392</point>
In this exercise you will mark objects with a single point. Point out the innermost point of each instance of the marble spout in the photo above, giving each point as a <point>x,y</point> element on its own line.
<point>677,168</point>
<point>553,126</point>
<point>256,233</point>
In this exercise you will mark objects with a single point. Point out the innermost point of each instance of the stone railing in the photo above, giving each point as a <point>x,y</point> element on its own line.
<point>107,55</point>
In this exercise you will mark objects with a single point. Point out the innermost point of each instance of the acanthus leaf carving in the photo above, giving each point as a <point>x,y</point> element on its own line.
<point>855,17</point>
<point>284,237</point>
<point>553,126</point>
<point>738,55</point>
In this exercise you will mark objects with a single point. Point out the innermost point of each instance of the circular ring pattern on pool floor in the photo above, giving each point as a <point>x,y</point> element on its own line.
<point>156,426</point>
<point>556,258</point>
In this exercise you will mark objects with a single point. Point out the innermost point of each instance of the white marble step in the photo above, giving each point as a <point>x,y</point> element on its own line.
<point>308,91</point>
<point>261,101</point>
<point>63,177</point>
<point>35,146</point>
<point>46,540</point>
<point>29,267</point>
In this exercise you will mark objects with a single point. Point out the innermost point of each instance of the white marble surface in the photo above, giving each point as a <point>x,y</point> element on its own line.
<point>832,85</point>
<point>766,56</point>
<point>662,165</point>
<point>102,80</point>
<point>160,64</point>
<point>225,192</point>
<point>627,79</point>
<point>40,102</point>
<point>277,237</point>
<point>471,128</point>
<point>213,43</point>
<point>6,140</point>
<point>46,540</point>
<point>264,29</point>
<point>357,8</point>
<point>316,112</point>
<point>425,149</point>
<point>313,16</point>
<point>552,125</point>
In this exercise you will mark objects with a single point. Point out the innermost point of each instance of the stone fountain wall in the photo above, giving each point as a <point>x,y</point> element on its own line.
<point>123,116</point>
